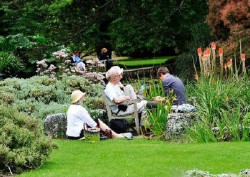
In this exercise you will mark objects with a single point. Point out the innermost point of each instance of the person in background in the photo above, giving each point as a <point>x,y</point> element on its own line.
<point>104,56</point>
<point>79,63</point>
<point>77,116</point>
<point>172,83</point>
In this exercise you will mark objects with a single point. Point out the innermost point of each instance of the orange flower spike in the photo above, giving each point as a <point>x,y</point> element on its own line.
<point>199,51</point>
<point>220,51</point>
<point>196,76</point>
<point>243,56</point>
<point>213,45</point>
<point>225,65</point>
<point>229,63</point>
<point>207,52</point>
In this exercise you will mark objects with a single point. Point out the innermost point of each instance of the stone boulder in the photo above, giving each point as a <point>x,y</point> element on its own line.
<point>176,123</point>
<point>55,125</point>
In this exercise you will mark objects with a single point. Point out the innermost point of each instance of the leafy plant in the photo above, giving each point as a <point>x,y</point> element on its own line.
<point>246,127</point>
<point>221,106</point>
<point>41,95</point>
<point>157,121</point>
<point>23,145</point>
<point>9,64</point>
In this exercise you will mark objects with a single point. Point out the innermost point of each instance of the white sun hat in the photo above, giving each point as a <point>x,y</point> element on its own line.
<point>76,96</point>
<point>113,71</point>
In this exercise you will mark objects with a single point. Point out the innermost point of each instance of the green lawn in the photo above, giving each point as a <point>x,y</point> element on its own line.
<point>132,62</point>
<point>140,157</point>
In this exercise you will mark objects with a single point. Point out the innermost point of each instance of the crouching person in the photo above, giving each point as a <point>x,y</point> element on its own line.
<point>77,116</point>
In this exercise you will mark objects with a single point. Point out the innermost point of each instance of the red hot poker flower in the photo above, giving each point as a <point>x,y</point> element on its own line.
<point>196,76</point>
<point>229,63</point>
<point>199,51</point>
<point>207,52</point>
<point>213,45</point>
<point>220,51</point>
<point>243,56</point>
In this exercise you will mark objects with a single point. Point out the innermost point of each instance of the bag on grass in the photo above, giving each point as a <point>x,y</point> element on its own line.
<point>91,134</point>
<point>118,125</point>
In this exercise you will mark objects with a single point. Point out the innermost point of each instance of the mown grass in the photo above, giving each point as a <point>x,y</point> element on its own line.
<point>141,157</point>
<point>136,62</point>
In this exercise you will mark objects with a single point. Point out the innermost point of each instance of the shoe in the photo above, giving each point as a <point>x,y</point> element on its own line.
<point>83,138</point>
<point>103,137</point>
<point>128,136</point>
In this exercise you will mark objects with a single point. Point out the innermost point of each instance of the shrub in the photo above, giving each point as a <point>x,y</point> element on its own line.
<point>22,142</point>
<point>9,64</point>
<point>41,95</point>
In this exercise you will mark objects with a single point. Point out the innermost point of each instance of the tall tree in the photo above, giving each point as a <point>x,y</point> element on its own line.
<point>230,23</point>
<point>150,26</point>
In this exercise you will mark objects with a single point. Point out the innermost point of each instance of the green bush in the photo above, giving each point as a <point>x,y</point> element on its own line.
<point>41,95</point>
<point>23,144</point>
<point>9,64</point>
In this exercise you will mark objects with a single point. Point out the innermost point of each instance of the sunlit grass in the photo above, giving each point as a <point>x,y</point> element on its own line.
<point>141,157</point>
<point>144,61</point>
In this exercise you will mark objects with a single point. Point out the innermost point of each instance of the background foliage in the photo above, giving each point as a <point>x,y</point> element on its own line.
<point>135,28</point>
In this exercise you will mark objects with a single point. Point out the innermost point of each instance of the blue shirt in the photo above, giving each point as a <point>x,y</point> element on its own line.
<point>174,83</point>
<point>77,59</point>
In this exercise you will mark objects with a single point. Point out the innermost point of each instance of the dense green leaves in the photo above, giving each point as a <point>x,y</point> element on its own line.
<point>22,142</point>
<point>141,28</point>
<point>153,27</point>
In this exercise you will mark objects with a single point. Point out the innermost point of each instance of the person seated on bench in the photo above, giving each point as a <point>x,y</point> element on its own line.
<point>117,93</point>
<point>77,116</point>
<point>79,63</point>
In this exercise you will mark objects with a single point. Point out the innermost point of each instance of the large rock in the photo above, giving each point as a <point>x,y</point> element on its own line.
<point>176,123</point>
<point>55,125</point>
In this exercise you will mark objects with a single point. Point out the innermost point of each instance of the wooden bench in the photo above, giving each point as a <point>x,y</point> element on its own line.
<point>133,115</point>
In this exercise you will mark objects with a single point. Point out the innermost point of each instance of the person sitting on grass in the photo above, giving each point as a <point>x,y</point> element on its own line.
<point>77,116</point>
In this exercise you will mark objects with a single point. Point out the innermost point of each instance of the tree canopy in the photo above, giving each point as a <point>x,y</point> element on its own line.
<point>134,28</point>
<point>230,23</point>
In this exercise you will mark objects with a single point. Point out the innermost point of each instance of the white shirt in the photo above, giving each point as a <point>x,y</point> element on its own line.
<point>76,117</point>
<point>114,91</point>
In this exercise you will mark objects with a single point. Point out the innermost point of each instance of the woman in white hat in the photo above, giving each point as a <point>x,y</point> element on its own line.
<point>77,116</point>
